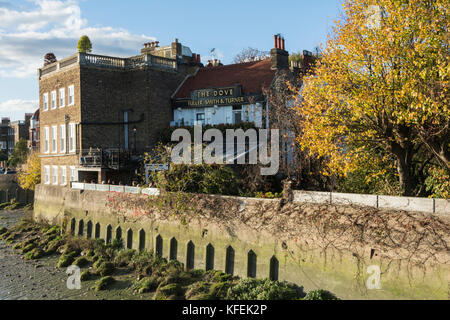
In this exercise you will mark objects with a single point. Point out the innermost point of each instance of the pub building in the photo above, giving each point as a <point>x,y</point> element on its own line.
<point>231,94</point>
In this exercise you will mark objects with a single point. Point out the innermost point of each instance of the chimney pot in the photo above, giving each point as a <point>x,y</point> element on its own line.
<point>282,43</point>
<point>275,40</point>
<point>279,42</point>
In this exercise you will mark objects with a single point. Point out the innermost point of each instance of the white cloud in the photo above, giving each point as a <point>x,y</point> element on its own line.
<point>16,109</point>
<point>54,26</point>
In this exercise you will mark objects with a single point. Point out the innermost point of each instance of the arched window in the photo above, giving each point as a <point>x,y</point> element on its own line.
<point>130,239</point>
<point>159,246</point>
<point>108,234</point>
<point>89,230</point>
<point>173,249</point>
<point>251,264</point>
<point>141,240</point>
<point>274,266</point>
<point>81,228</point>
<point>229,261</point>
<point>190,255</point>
<point>209,265</point>
<point>119,233</point>
<point>97,231</point>
<point>72,226</point>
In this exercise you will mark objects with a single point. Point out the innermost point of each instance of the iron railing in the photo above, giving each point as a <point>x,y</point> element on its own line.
<point>112,158</point>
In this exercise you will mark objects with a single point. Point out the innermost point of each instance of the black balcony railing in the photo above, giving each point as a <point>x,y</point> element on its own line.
<point>104,158</point>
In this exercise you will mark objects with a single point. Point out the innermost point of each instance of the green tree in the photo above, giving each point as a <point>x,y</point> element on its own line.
<point>84,44</point>
<point>19,154</point>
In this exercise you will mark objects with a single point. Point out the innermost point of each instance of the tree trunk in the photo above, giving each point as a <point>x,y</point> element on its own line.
<point>407,181</point>
<point>404,155</point>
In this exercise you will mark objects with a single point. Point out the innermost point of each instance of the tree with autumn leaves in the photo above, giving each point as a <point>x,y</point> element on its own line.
<point>30,175</point>
<point>379,94</point>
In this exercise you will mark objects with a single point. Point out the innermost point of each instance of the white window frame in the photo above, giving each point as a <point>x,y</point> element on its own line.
<point>53,100</point>
<point>55,175</point>
<point>46,174</point>
<point>54,139</point>
<point>63,170</point>
<point>72,138</point>
<point>62,97</point>
<point>46,140</point>
<point>73,174</point>
<point>62,138</point>
<point>45,100</point>
<point>71,95</point>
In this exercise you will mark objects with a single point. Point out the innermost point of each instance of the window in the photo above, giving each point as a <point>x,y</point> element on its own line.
<point>73,174</point>
<point>62,97</point>
<point>55,175</point>
<point>71,95</point>
<point>63,175</point>
<point>62,138</point>
<point>201,118</point>
<point>45,101</point>
<point>53,102</point>
<point>46,140</point>
<point>54,139</point>
<point>47,174</point>
<point>72,137</point>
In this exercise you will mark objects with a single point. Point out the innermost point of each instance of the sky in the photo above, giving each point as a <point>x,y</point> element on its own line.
<point>31,28</point>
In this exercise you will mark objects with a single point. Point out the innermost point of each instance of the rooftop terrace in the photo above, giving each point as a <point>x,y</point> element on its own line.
<point>109,62</point>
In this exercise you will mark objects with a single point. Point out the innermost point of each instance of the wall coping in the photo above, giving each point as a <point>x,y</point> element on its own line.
<point>408,204</point>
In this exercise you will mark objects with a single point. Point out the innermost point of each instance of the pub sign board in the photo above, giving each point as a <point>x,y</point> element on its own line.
<point>225,96</point>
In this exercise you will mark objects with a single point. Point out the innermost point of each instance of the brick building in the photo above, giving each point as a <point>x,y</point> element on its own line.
<point>12,132</point>
<point>99,113</point>
<point>235,93</point>
<point>6,136</point>
<point>34,139</point>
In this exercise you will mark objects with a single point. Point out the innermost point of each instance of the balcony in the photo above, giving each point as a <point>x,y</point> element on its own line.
<point>114,159</point>
<point>110,62</point>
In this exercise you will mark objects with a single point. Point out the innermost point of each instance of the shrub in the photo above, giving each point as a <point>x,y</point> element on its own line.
<point>164,292</point>
<point>320,295</point>
<point>204,178</point>
<point>66,259</point>
<point>147,284</point>
<point>3,230</point>
<point>81,262</point>
<point>34,254</point>
<point>197,289</point>
<point>104,283</point>
<point>124,257</point>
<point>105,269</point>
<point>251,289</point>
<point>85,275</point>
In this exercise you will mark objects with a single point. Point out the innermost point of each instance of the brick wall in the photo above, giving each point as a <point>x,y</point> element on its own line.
<point>144,94</point>
<point>63,79</point>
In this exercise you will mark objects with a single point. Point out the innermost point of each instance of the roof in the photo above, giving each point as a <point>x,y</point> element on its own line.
<point>252,76</point>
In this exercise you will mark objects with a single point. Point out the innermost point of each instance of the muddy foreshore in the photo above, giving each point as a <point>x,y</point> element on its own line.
<point>42,280</point>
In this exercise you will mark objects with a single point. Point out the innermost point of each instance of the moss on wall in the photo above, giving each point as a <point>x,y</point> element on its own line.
<point>324,246</point>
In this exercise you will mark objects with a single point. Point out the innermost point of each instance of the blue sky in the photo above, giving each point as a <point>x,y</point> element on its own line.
<point>31,28</point>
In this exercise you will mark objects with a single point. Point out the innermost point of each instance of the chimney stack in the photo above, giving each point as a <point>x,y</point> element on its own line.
<point>278,55</point>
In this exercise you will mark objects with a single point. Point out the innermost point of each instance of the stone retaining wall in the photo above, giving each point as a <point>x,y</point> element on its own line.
<point>266,238</point>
